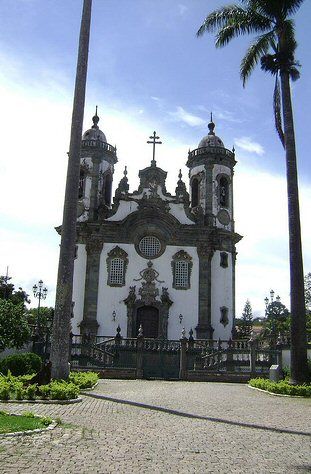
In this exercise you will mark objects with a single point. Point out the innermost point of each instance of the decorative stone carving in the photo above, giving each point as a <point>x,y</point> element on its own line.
<point>204,250</point>
<point>94,245</point>
<point>181,191</point>
<point>149,274</point>
<point>224,316</point>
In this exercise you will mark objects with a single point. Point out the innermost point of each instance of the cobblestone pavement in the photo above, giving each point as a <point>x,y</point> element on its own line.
<point>232,429</point>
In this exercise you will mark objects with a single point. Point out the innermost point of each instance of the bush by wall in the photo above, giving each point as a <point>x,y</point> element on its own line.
<point>282,387</point>
<point>21,364</point>
<point>83,379</point>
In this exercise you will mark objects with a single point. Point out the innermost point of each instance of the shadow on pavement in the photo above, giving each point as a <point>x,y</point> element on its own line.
<point>198,417</point>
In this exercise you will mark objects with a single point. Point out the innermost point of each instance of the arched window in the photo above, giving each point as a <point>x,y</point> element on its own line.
<point>81,183</point>
<point>116,265</point>
<point>106,188</point>
<point>195,192</point>
<point>181,266</point>
<point>224,192</point>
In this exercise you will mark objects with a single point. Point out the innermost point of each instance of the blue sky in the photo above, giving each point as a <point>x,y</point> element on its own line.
<point>147,71</point>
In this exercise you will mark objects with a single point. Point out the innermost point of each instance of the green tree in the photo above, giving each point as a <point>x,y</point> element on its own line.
<point>61,326</point>
<point>8,292</point>
<point>277,320</point>
<point>246,322</point>
<point>308,290</point>
<point>275,49</point>
<point>14,327</point>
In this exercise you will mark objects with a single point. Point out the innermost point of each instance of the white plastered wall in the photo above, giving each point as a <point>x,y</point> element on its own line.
<point>221,296</point>
<point>110,299</point>
<point>78,287</point>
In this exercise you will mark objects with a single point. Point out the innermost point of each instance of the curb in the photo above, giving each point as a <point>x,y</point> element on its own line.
<point>278,394</point>
<point>46,402</point>
<point>83,390</point>
<point>51,426</point>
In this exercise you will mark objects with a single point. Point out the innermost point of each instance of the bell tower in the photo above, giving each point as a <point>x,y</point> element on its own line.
<point>211,172</point>
<point>96,174</point>
<point>211,189</point>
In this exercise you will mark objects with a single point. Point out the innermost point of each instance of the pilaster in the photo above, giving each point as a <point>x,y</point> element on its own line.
<point>89,324</point>
<point>204,328</point>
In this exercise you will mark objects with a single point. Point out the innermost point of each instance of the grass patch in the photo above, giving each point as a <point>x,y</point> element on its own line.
<point>282,387</point>
<point>28,421</point>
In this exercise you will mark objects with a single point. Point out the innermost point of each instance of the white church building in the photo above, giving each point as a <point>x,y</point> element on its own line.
<point>150,258</point>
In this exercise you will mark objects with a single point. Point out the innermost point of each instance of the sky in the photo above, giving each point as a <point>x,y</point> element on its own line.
<point>147,71</point>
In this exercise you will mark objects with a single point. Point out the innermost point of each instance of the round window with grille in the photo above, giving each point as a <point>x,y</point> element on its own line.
<point>150,246</point>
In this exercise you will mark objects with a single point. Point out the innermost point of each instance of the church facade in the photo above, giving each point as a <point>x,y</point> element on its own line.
<point>151,261</point>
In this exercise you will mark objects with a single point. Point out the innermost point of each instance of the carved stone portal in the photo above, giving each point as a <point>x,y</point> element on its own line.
<point>139,306</point>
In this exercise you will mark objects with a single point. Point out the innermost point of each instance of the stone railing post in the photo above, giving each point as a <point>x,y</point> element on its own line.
<point>183,372</point>
<point>252,356</point>
<point>230,365</point>
<point>139,354</point>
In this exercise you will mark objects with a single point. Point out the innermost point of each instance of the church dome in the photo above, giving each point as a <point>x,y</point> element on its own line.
<point>211,139</point>
<point>95,133</point>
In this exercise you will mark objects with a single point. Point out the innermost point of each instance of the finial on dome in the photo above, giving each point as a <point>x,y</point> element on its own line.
<point>211,126</point>
<point>180,175</point>
<point>125,171</point>
<point>95,119</point>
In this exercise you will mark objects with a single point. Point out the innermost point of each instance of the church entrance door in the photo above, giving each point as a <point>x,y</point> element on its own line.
<point>148,317</point>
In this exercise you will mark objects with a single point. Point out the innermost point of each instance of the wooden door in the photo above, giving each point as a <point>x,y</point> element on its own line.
<point>148,317</point>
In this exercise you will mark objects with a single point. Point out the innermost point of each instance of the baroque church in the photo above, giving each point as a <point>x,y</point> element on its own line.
<point>151,261</point>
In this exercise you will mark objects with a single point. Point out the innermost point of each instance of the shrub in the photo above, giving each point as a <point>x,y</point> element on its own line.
<point>282,387</point>
<point>4,390</point>
<point>45,391</point>
<point>30,391</point>
<point>21,364</point>
<point>83,379</point>
<point>60,390</point>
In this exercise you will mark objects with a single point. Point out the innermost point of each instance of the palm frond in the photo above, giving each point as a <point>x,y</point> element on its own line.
<point>239,20</point>
<point>259,48</point>
<point>294,73</point>
<point>291,6</point>
<point>277,111</point>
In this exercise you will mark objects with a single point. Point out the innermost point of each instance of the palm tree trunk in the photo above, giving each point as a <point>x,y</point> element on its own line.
<point>61,323</point>
<point>299,371</point>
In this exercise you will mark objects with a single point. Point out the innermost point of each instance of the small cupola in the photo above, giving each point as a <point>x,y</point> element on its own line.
<point>95,133</point>
<point>211,140</point>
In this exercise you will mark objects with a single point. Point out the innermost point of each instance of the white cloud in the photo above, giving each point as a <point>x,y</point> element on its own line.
<point>182,116</point>
<point>247,144</point>
<point>182,9</point>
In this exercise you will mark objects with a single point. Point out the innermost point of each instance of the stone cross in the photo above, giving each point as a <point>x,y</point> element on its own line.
<point>154,143</point>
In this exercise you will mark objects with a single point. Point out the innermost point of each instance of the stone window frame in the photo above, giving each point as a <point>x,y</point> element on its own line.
<point>227,177</point>
<point>120,254</point>
<point>140,237</point>
<point>182,256</point>
<point>198,178</point>
<point>224,257</point>
<point>224,318</point>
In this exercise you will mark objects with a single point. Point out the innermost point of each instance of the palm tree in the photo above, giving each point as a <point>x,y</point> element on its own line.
<point>275,49</point>
<point>61,323</point>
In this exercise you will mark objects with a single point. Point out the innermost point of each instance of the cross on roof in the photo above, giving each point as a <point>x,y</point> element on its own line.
<point>154,143</point>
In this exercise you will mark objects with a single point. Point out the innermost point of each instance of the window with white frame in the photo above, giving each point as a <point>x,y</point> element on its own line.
<point>181,266</point>
<point>116,266</point>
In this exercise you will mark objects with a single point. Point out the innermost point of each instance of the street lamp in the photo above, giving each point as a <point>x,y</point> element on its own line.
<point>39,292</point>
<point>270,312</point>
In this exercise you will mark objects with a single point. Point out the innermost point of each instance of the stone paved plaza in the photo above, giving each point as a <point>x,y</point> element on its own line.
<point>207,428</point>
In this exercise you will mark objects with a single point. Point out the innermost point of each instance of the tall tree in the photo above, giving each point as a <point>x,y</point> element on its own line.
<point>61,323</point>
<point>246,322</point>
<point>275,49</point>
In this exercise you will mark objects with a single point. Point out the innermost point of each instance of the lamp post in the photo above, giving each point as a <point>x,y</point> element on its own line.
<point>40,293</point>
<point>269,311</point>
